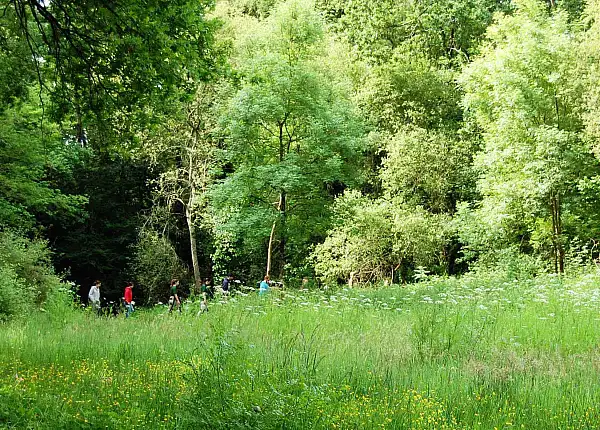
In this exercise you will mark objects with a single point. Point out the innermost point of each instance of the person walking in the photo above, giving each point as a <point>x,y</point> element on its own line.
<point>174,298</point>
<point>128,298</point>
<point>94,296</point>
<point>264,285</point>
<point>226,284</point>
<point>204,291</point>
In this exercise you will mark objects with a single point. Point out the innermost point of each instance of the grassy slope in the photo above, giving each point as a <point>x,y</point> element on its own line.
<point>470,353</point>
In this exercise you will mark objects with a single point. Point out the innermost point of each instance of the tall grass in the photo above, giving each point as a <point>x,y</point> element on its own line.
<point>476,352</point>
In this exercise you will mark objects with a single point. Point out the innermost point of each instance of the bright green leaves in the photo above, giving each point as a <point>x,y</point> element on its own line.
<point>525,93</point>
<point>589,68</point>
<point>527,73</point>
<point>410,89</point>
<point>440,30</point>
<point>379,239</point>
<point>29,158</point>
<point>428,168</point>
<point>292,134</point>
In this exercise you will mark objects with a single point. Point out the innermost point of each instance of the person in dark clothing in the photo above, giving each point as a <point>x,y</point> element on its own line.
<point>226,285</point>
<point>204,291</point>
<point>174,298</point>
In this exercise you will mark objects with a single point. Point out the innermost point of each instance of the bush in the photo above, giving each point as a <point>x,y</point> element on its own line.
<point>510,263</point>
<point>26,275</point>
<point>376,240</point>
<point>14,295</point>
<point>155,263</point>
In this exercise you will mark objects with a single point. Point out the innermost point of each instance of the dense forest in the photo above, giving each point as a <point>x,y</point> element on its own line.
<point>338,141</point>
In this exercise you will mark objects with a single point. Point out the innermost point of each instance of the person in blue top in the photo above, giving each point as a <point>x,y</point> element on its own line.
<point>226,285</point>
<point>264,286</point>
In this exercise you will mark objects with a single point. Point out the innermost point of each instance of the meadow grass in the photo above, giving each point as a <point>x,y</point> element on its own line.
<point>470,353</point>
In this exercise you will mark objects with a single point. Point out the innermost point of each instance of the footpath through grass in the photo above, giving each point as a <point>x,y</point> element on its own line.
<point>475,353</point>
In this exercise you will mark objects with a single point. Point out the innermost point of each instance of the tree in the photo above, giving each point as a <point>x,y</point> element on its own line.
<point>30,157</point>
<point>374,240</point>
<point>101,59</point>
<point>185,153</point>
<point>431,169</point>
<point>439,30</point>
<point>410,89</point>
<point>524,91</point>
<point>155,263</point>
<point>27,279</point>
<point>292,138</point>
<point>588,67</point>
<point>255,8</point>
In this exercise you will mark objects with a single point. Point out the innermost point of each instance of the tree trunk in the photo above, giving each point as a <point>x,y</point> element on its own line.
<point>282,241</point>
<point>193,247</point>
<point>561,249</point>
<point>189,216</point>
<point>559,252</point>
<point>281,209</point>
<point>270,249</point>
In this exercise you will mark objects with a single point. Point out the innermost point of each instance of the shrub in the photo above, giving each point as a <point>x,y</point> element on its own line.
<point>26,275</point>
<point>14,295</point>
<point>155,263</point>
<point>376,239</point>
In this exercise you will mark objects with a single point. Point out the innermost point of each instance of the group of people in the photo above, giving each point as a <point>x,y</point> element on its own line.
<point>94,298</point>
<point>174,300</point>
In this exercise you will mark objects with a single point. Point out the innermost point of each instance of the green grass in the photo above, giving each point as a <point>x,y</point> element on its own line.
<point>474,353</point>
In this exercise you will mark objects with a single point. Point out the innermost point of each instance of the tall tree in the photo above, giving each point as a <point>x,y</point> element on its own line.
<point>31,159</point>
<point>524,91</point>
<point>589,59</point>
<point>185,153</point>
<point>430,169</point>
<point>292,137</point>
<point>437,29</point>
<point>104,61</point>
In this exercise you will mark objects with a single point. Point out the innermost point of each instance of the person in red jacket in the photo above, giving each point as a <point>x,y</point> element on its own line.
<point>128,298</point>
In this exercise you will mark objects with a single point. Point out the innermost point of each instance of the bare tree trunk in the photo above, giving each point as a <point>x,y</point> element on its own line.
<point>559,252</point>
<point>270,248</point>
<point>280,205</point>
<point>193,245</point>
<point>189,216</point>
<point>561,249</point>
<point>282,228</point>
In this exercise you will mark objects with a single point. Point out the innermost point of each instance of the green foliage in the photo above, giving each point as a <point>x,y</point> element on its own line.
<point>410,89</point>
<point>429,169</point>
<point>589,49</point>
<point>106,58</point>
<point>31,156</point>
<point>249,165</point>
<point>447,30</point>
<point>374,239</point>
<point>255,8</point>
<point>15,297</point>
<point>16,62</point>
<point>525,93</point>
<point>26,275</point>
<point>293,138</point>
<point>154,264</point>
